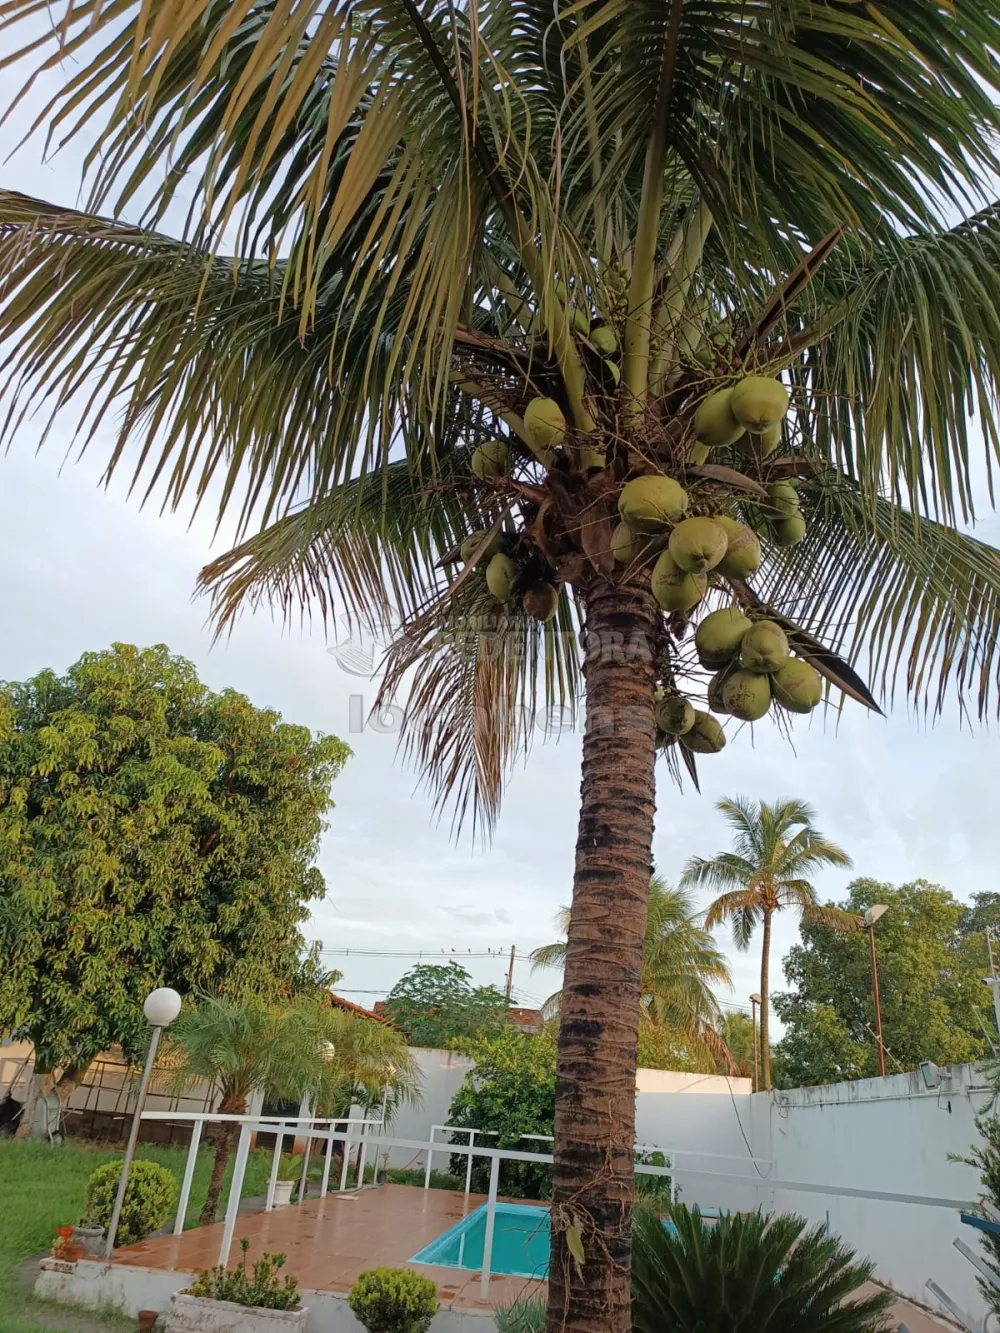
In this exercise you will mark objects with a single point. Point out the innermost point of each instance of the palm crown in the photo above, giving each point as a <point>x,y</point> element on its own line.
<point>680,965</point>
<point>407,222</point>
<point>774,848</point>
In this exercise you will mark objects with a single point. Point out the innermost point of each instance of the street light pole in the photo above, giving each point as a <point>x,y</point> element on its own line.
<point>872,915</point>
<point>161,1008</point>
<point>754,1002</point>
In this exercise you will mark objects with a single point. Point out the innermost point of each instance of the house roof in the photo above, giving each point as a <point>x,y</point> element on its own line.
<point>339,1002</point>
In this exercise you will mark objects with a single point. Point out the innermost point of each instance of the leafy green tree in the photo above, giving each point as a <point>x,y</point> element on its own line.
<point>736,1030</point>
<point>679,1015</point>
<point>436,1004</point>
<point>152,833</point>
<point>288,1051</point>
<point>437,214</point>
<point>774,848</point>
<point>933,1001</point>
<point>511,1090</point>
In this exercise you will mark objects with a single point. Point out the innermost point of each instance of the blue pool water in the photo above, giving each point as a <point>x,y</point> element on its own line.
<point>520,1242</point>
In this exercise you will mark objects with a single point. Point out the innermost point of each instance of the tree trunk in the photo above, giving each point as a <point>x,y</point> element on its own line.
<point>224,1142</point>
<point>765,1048</point>
<point>593,1180</point>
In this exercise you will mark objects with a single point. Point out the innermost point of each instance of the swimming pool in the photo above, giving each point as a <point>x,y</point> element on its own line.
<point>520,1242</point>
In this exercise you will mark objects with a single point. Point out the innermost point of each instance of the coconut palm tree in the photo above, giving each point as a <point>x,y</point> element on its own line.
<point>618,207</point>
<point>286,1052</point>
<point>774,848</point>
<point>680,965</point>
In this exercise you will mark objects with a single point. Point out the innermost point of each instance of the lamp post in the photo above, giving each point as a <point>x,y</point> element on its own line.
<point>161,1008</point>
<point>754,1002</point>
<point>872,915</point>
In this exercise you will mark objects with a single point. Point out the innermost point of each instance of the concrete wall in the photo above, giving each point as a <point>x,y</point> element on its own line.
<point>441,1075</point>
<point>892,1136</point>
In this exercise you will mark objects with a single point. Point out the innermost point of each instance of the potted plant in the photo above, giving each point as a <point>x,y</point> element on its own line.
<point>251,1300</point>
<point>289,1170</point>
<point>65,1248</point>
<point>393,1300</point>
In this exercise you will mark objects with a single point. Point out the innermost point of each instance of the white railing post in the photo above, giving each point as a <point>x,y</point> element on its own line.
<point>362,1155</point>
<point>192,1158</point>
<point>305,1165</point>
<point>347,1157</point>
<point>491,1217</point>
<point>430,1154</point>
<point>235,1191</point>
<point>468,1164</point>
<point>327,1163</point>
<point>279,1143</point>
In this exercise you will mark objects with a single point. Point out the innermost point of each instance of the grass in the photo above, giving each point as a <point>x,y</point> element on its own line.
<point>43,1187</point>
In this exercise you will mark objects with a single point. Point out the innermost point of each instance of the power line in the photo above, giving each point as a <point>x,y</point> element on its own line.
<point>418,953</point>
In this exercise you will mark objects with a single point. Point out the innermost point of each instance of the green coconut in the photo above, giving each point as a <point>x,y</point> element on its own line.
<point>616,374</point>
<point>624,544</point>
<point>540,602</point>
<point>473,542</point>
<point>675,715</point>
<point>797,686</point>
<point>714,422</point>
<point>650,504</point>
<point>581,321</point>
<point>759,402</point>
<point>699,454</point>
<point>698,544</point>
<point>704,357</point>
<point>544,425</point>
<point>674,588</point>
<point>788,531</point>
<point>500,574</point>
<point>784,498</point>
<point>764,647</point>
<point>715,699</point>
<point>490,460</point>
<point>604,340</point>
<point>742,556</point>
<point>706,736</point>
<point>718,637</point>
<point>747,695</point>
<point>562,291</point>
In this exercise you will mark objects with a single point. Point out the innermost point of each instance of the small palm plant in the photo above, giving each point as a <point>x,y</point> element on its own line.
<point>747,1274</point>
<point>287,1052</point>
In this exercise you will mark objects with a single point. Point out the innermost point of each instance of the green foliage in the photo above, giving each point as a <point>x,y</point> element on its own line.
<point>290,1166</point>
<point>150,1194</point>
<point>511,1090</point>
<point>679,1014</point>
<point>524,1315</point>
<point>145,818</point>
<point>985,1157</point>
<point>746,1274</point>
<point>393,1300</point>
<point>259,1288</point>
<point>653,1187</point>
<point>736,1030</point>
<point>933,1000</point>
<point>435,1004</point>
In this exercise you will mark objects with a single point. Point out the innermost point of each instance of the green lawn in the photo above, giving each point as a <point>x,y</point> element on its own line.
<point>43,1187</point>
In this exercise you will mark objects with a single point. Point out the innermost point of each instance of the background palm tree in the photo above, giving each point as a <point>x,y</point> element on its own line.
<point>774,848</point>
<point>407,221</point>
<point>680,965</point>
<point>286,1052</point>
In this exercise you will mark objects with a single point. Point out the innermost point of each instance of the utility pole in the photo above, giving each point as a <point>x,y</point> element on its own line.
<point>510,973</point>
<point>754,1002</point>
<point>873,914</point>
<point>993,981</point>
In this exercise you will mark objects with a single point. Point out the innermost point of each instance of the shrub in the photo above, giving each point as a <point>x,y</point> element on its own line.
<point>511,1091</point>
<point>259,1288</point>
<point>985,1157</point>
<point>149,1196</point>
<point>746,1274</point>
<point>525,1315</point>
<point>393,1300</point>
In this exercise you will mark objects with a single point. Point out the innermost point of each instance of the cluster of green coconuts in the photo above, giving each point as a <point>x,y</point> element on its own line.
<point>540,600</point>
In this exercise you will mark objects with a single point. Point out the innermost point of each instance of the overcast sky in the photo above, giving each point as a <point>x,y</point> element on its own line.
<point>86,567</point>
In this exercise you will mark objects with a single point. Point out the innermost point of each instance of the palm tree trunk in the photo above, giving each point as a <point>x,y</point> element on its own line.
<point>223,1150</point>
<point>765,1047</point>
<point>593,1178</point>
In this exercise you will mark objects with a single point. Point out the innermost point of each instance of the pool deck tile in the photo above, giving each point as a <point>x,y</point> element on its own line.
<point>328,1242</point>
